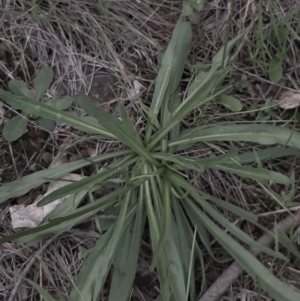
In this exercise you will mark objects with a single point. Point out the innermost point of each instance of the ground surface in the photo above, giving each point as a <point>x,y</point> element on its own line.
<point>74,38</point>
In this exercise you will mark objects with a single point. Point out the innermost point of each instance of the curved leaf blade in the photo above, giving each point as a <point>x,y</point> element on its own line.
<point>172,65</point>
<point>100,260</point>
<point>253,173</point>
<point>127,256</point>
<point>279,290</point>
<point>30,106</point>
<point>86,183</point>
<point>90,208</point>
<point>46,296</point>
<point>114,126</point>
<point>25,184</point>
<point>259,133</point>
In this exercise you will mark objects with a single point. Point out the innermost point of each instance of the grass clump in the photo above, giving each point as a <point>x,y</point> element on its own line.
<point>154,191</point>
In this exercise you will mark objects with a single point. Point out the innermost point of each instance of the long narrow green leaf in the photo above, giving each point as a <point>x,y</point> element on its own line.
<point>199,93</point>
<point>46,296</point>
<point>124,266</point>
<point>165,222</point>
<point>185,238</point>
<point>172,65</point>
<point>127,256</point>
<point>166,210</point>
<point>245,214</point>
<point>88,281</point>
<point>154,228</point>
<point>30,106</point>
<point>194,210</point>
<point>288,243</point>
<point>204,235</point>
<point>174,104</point>
<point>92,207</point>
<point>183,163</point>
<point>199,97</point>
<point>223,53</point>
<point>157,196</point>
<point>114,126</point>
<point>235,230</point>
<point>260,133</point>
<point>171,70</point>
<point>86,183</point>
<point>253,173</point>
<point>219,163</point>
<point>279,290</point>
<point>155,224</point>
<point>23,185</point>
<point>98,263</point>
<point>127,122</point>
<point>267,154</point>
<point>176,273</point>
<point>165,116</point>
<point>195,163</point>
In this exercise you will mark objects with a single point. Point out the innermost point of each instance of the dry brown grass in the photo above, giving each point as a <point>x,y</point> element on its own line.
<point>82,39</point>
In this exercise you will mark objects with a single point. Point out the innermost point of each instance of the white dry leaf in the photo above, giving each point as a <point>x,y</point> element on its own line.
<point>92,152</point>
<point>31,216</point>
<point>136,91</point>
<point>289,100</point>
<point>67,142</point>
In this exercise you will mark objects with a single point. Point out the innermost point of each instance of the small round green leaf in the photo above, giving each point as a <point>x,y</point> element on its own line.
<point>19,88</point>
<point>187,10</point>
<point>282,35</point>
<point>42,81</point>
<point>90,119</point>
<point>230,102</point>
<point>194,18</point>
<point>46,124</point>
<point>282,55</point>
<point>15,128</point>
<point>60,103</point>
<point>275,69</point>
<point>197,4</point>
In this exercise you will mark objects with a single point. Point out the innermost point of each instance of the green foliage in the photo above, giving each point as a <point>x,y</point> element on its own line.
<point>275,69</point>
<point>269,44</point>
<point>180,217</point>
<point>230,102</point>
<point>264,112</point>
<point>17,126</point>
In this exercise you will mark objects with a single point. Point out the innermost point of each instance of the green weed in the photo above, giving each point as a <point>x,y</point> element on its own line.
<point>155,187</point>
<point>270,40</point>
<point>17,126</point>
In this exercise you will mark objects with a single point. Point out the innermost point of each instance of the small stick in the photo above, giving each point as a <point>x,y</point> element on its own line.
<point>221,285</point>
<point>28,266</point>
